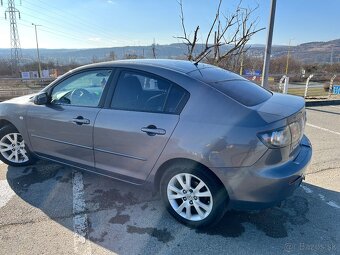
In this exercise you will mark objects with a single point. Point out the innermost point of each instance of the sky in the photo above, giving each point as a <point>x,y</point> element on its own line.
<point>110,23</point>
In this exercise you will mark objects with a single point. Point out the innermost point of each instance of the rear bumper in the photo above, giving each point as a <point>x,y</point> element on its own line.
<point>259,187</point>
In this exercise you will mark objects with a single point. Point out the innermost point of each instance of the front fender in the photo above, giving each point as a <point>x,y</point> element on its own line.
<point>15,111</point>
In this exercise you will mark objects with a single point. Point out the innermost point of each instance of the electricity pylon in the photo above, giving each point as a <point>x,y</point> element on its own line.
<point>16,55</point>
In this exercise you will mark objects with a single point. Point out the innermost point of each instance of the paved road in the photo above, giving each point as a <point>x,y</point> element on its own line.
<point>302,86</point>
<point>52,209</point>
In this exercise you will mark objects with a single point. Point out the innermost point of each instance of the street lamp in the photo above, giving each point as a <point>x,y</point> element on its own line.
<point>36,38</point>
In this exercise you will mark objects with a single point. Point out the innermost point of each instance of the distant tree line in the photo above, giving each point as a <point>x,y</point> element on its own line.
<point>297,70</point>
<point>6,70</point>
<point>277,66</point>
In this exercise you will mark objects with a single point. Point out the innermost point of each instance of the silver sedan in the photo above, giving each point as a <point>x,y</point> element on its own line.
<point>206,138</point>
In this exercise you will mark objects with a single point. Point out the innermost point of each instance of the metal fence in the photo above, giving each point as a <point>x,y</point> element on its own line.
<point>309,88</point>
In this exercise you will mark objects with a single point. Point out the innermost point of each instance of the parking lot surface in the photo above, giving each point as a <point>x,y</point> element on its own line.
<point>53,209</point>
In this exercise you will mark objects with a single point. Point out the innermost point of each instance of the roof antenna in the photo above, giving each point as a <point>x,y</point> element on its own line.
<point>201,58</point>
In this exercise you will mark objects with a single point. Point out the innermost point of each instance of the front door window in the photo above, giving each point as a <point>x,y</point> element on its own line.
<point>83,89</point>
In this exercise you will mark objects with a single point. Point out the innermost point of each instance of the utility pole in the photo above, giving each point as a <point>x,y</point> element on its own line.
<point>332,52</point>
<point>14,35</point>
<point>36,38</point>
<point>153,48</point>
<point>288,55</point>
<point>268,46</point>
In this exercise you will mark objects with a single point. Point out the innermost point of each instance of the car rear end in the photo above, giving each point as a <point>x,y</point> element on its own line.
<point>280,170</point>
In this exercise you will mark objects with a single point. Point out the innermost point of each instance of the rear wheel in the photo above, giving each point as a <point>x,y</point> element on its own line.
<point>193,195</point>
<point>13,150</point>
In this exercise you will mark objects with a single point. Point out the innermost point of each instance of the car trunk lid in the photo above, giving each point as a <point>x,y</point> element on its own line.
<point>281,106</point>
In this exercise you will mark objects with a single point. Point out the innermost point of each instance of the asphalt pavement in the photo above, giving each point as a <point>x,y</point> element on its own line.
<point>303,85</point>
<point>53,209</point>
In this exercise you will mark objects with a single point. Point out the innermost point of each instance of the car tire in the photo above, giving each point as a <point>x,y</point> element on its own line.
<point>13,150</point>
<point>193,195</point>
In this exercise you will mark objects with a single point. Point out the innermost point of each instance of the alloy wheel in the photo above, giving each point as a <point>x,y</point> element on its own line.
<point>189,196</point>
<point>12,148</point>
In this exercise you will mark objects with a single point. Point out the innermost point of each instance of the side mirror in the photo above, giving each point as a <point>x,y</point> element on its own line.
<point>41,99</point>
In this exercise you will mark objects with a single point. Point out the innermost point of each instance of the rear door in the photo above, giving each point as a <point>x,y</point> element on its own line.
<point>131,133</point>
<point>63,128</point>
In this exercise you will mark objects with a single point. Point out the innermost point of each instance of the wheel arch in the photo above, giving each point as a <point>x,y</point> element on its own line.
<point>189,162</point>
<point>4,123</point>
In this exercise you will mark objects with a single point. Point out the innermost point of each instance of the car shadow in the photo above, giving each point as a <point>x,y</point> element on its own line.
<point>116,207</point>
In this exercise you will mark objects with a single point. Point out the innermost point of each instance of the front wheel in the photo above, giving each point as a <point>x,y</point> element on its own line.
<point>13,150</point>
<point>193,195</point>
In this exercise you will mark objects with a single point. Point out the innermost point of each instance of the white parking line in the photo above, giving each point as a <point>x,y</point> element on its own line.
<point>306,189</point>
<point>337,107</point>
<point>333,204</point>
<point>6,193</point>
<point>323,129</point>
<point>80,221</point>
<point>322,197</point>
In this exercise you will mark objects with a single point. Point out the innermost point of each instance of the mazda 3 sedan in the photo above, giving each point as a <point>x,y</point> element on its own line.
<point>207,139</point>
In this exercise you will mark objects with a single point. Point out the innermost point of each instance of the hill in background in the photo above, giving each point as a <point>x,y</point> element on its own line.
<point>312,52</point>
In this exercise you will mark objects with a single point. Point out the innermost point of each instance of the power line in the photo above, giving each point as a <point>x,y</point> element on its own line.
<point>68,16</point>
<point>77,30</point>
<point>52,20</point>
<point>48,22</point>
<point>72,32</point>
<point>56,33</point>
<point>66,22</point>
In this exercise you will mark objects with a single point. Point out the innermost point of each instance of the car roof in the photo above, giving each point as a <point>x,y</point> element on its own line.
<point>200,71</point>
<point>181,66</point>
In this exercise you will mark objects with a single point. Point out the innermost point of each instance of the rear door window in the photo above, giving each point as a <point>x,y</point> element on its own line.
<point>137,91</point>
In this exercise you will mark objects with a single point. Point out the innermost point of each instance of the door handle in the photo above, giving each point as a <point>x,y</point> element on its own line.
<point>80,120</point>
<point>152,130</point>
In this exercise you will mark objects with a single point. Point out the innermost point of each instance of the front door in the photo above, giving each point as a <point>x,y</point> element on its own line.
<point>130,135</point>
<point>63,129</point>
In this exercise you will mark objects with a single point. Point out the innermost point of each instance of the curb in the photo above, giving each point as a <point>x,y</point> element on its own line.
<point>322,103</point>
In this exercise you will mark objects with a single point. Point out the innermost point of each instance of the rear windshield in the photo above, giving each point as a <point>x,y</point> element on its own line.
<point>243,91</point>
<point>213,74</point>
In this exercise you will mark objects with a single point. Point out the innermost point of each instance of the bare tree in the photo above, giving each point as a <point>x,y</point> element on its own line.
<point>112,55</point>
<point>230,35</point>
<point>94,59</point>
<point>278,65</point>
<point>131,56</point>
